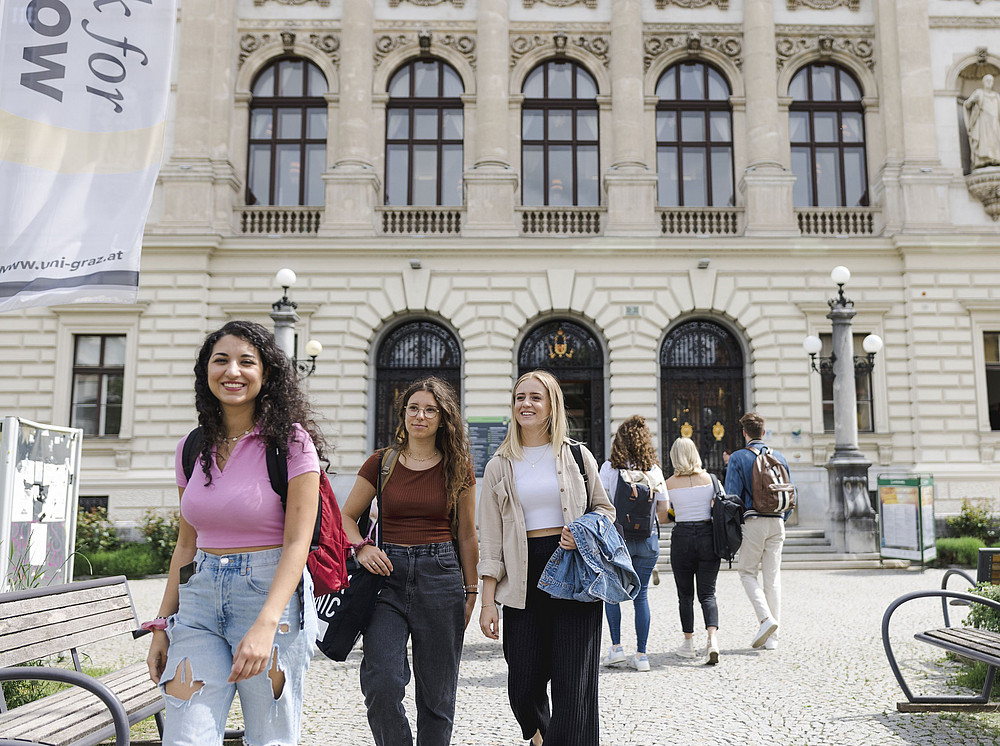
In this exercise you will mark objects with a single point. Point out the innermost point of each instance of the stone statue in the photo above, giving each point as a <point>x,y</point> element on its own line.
<point>982,122</point>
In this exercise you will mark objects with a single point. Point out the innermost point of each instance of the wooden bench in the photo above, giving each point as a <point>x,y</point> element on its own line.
<point>968,642</point>
<point>44,622</point>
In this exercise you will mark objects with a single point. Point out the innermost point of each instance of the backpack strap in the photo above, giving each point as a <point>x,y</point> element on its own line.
<point>191,451</point>
<point>277,473</point>
<point>577,451</point>
<point>719,492</point>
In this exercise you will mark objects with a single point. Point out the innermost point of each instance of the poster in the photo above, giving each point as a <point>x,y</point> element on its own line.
<point>906,516</point>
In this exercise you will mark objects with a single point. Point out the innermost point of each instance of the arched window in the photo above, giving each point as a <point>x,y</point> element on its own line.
<point>827,133</point>
<point>559,137</point>
<point>694,137</point>
<point>412,350</point>
<point>701,382</point>
<point>572,354</point>
<point>423,135</point>
<point>287,135</point>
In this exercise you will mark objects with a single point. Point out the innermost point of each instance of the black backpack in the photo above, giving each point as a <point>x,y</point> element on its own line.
<point>633,509</point>
<point>727,523</point>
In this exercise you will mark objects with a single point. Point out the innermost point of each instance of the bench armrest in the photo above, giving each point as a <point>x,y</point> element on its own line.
<point>75,678</point>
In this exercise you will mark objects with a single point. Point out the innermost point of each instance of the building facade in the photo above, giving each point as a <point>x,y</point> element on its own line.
<point>646,196</point>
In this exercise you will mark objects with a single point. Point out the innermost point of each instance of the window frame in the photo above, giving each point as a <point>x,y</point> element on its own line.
<point>274,103</point>
<point>826,385</point>
<point>574,105</point>
<point>103,372</point>
<point>706,106</point>
<point>839,107</point>
<point>440,104</point>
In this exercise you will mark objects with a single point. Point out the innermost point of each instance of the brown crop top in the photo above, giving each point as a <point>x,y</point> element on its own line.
<point>414,503</point>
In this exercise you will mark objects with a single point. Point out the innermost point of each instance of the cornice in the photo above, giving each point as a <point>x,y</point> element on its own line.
<point>425,3</point>
<point>964,22</point>
<point>561,3</point>
<point>321,3</point>
<point>824,4</point>
<point>692,4</point>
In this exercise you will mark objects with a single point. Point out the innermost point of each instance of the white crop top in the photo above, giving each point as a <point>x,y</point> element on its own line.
<point>692,503</point>
<point>538,488</point>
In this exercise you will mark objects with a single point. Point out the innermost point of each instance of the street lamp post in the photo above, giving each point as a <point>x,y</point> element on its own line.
<point>850,517</point>
<point>284,316</point>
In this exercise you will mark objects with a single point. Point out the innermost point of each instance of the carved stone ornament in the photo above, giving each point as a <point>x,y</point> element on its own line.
<point>562,3</point>
<point>595,44</point>
<point>427,3</point>
<point>862,48</point>
<point>328,44</point>
<point>723,4</point>
<point>321,3</point>
<point>729,45</point>
<point>464,44</point>
<point>824,4</point>
<point>984,185</point>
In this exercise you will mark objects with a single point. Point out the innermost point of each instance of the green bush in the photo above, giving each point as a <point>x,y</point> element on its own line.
<point>94,532</point>
<point>130,560</point>
<point>963,550</point>
<point>975,520</point>
<point>973,673</point>
<point>161,533</point>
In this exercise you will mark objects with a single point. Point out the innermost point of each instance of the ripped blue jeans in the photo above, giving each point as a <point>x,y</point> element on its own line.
<point>218,605</point>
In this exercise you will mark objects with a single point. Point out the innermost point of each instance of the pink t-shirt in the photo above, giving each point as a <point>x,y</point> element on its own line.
<point>239,508</point>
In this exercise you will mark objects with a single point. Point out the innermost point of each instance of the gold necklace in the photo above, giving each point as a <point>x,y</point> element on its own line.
<point>539,459</point>
<point>237,437</point>
<point>411,457</point>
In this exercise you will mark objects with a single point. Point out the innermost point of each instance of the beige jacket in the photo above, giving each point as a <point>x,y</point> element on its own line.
<point>503,539</point>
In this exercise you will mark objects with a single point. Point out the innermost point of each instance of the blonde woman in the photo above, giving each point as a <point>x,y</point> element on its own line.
<point>692,557</point>
<point>532,490</point>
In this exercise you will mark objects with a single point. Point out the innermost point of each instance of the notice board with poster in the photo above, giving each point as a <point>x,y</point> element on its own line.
<point>485,435</point>
<point>906,516</point>
<point>39,492</point>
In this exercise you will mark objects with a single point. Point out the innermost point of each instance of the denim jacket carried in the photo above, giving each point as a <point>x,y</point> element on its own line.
<point>599,570</point>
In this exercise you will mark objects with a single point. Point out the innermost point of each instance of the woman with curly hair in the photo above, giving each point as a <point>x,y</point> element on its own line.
<point>429,556</point>
<point>633,460</point>
<point>237,613</point>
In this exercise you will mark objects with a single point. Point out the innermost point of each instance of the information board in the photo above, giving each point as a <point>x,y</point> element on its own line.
<point>485,435</point>
<point>906,516</point>
<point>39,490</point>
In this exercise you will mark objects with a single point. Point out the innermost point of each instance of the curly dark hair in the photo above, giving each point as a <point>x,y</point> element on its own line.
<point>633,446</point>
<point>450,438</point>
<point>279,405</point>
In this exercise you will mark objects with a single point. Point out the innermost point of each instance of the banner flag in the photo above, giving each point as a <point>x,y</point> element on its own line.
<point>83,102</point>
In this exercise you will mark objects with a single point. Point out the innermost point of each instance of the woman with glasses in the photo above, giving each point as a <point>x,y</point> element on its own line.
<point>429,556</point>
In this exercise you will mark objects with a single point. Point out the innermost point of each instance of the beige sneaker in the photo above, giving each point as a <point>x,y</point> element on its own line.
<point>686,650</point>
<point>712,651</point>
<point>639,661</point>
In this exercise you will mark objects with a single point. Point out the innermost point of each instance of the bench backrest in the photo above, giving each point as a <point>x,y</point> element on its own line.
<point>46,621</point>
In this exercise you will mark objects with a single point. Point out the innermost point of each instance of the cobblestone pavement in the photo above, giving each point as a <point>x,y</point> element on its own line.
<point>827,683</point>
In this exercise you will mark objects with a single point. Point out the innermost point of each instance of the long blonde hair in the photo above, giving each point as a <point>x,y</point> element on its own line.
<point>511,447</point>
<point>684,457</point>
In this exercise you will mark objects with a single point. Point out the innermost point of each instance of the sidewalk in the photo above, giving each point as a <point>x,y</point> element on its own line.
<point>827,684</point>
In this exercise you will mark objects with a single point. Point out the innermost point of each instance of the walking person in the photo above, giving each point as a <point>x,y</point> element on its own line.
<point>429,556</point>
<point>633,459</point>
<point>532,489</point>
<point>763,535</point>
<point>237,614</point>
<point>692,555</point>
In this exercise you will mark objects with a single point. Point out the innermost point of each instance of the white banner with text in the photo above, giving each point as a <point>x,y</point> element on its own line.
<point>83,102</point>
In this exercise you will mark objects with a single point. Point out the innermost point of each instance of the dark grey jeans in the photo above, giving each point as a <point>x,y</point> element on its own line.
<point>422,600</point>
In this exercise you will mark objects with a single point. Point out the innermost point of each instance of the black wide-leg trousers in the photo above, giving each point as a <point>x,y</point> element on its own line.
<point>558,641</point>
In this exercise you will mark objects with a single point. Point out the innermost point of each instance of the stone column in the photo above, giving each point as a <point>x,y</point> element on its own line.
<point>199,185</point>
<point>850,518</point>
<point>767,180</point>
<point>491,183</point>
<point>629,182</point>
<point>352,185</point>
<point>915,186</point>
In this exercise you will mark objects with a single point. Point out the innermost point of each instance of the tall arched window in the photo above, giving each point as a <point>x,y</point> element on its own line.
<point>287,135</point>
<point>694,137</point>
<point>412,350</point>
<point>559,137</point>
<point>827,133</point>
<point>423,135</point>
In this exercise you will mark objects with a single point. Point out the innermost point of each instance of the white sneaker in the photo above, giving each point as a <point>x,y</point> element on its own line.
<point>767,628</point>
<point>686,650</point>
<point>712,651</point>
<point>615,656</point>
<point>639,661</point>
<point>771,643</point>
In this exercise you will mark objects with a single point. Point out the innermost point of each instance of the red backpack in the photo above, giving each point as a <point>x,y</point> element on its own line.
<point>328,549</point>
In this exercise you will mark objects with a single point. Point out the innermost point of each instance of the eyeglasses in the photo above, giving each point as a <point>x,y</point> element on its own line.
<point>429,412</point>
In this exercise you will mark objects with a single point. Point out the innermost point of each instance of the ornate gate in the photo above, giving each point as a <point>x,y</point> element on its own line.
<point>701,373</point>
<point>574,356</point>
<point>412,350</point>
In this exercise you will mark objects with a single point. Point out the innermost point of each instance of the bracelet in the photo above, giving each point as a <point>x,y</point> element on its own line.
<point>159,623</point>
<point>472,593</point>
<point>472,587</point>
<point>356,547</point>
<point>488,605</point>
